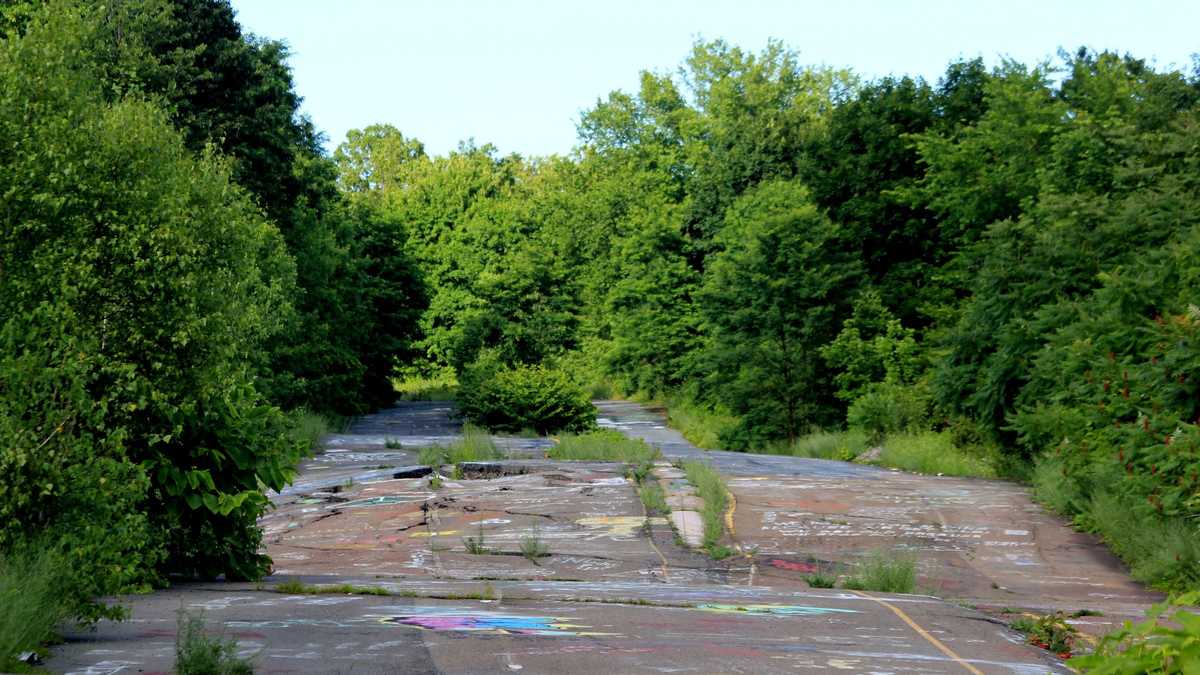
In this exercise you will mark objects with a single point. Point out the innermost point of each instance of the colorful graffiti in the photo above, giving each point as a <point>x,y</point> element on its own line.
<point>490,622</point>
<point>780,610</point>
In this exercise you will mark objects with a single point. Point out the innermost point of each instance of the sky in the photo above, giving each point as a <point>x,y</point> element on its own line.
<point>518,73</point>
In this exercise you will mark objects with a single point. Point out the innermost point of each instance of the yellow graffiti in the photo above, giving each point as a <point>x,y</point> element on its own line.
<point>443,533</point>
<point>619,526</point>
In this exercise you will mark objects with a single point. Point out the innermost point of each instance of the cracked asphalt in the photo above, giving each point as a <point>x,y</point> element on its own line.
<point>617,591</point>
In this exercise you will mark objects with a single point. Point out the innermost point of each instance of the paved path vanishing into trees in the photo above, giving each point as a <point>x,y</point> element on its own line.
<point>617,592</point>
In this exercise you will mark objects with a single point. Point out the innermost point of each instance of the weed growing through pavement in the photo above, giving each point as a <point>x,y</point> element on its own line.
<point>197,653</point>
<point>393,444</point>
<point>475,545</point>
<point>532,546</point>
<point>884,572</point>
<point>604,445</point>
<point>476,445</point>
<point>711,489</point>
<point>1050,632</point>
<point>435,481</point>
<point>654,499</point>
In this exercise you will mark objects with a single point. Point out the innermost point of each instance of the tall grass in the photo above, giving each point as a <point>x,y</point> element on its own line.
<point>884,572</point>
<point>476,445</point>
<point>843,445</point>
<point>700,425</point>
<point>437,387</point>
<point>308,428</point>
<point>711,488</point>
<point>1161,551</point>
<point>197,653</point>
<point>32,603</point>
<point>933,452</point>
<point>604,445</point>
<point>654,499</point>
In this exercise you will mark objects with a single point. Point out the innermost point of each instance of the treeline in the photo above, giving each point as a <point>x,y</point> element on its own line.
<point>182,284</point>
<point>1008,257</point>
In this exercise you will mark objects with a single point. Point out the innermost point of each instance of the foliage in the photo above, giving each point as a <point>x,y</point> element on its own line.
<point>197,653</point>
<point>769,300</point>
<point>1167,642</point>
<point>872,347</point>
<point>1050,632</point>
<point>606,445</point>
<point>886,408</point>
<point>523,397</point>
<point>532,546</point>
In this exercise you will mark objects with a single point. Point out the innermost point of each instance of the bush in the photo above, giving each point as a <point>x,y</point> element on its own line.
<point>886,408</point>
<point>476,445</point>
<point>139,286</point>
<point>1152,646</point>
<point>514,398</point>
<point>842,445</point>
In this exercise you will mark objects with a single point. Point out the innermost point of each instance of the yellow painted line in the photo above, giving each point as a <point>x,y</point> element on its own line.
<point>733,535</point>
<point>923,633</point>
<point>646,515</point>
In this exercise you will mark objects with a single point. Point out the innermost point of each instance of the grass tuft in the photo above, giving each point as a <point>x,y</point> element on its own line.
<point>309,427</point>
<point>298,588</point>
<point>532,546</point>
<point>884,572</point>
<point>654,499</point>
<point>31,603</point>
<point>842,445</point>
<point>197,653</point>
<point>476,445</point>
<point>604,445</point>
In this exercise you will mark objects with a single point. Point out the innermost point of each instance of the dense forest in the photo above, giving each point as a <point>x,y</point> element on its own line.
<point>1003,264</point>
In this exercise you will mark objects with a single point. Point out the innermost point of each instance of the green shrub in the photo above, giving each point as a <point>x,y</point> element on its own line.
<point>513,398</point>
<point>135,301</point>
<point>604,445</point>
<point>1166,643</point>
<point>886,408</point>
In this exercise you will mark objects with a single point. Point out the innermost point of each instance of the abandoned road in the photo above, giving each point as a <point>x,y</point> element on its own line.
<point>617,592</point>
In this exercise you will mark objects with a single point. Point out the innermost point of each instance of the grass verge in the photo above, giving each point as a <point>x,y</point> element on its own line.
<point>698,424</point>
<point>476,445</point>
<point>197,653</point>
<point>932,452</point>
<point>31,604</point>
<point>711,488</point>
<point>884,572</point>
<point>604,445</point>
<point>841,445</point>
<point>654,499</point>
<point>1161,551</point>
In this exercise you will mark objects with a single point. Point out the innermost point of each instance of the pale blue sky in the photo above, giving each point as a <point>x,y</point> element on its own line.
<point>517,73</point>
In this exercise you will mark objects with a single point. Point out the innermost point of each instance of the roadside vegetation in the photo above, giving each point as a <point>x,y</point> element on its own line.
<point>1166,643</point>
<point>711,488</point>
<point>991,274</point>
<point>476,445</point>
